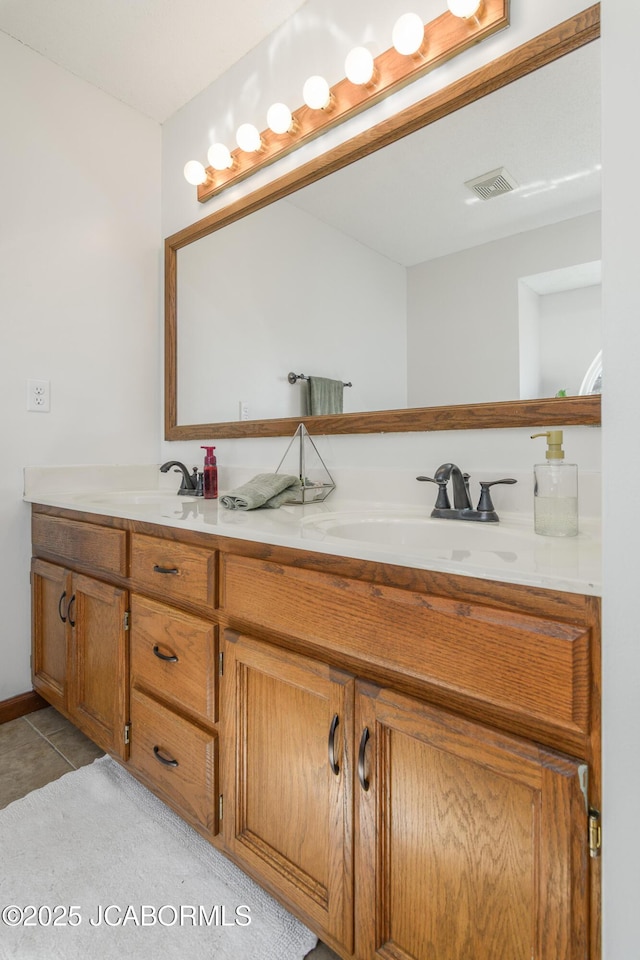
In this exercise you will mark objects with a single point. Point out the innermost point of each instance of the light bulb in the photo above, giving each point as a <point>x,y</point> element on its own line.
<point>194,173</point>
<point>463,8</point>
<point>279,118</point>
<point>248,137</point>
<point>408,34</point>
<point>358,66</point>
<point>219,156</point>
<point>316,93</point>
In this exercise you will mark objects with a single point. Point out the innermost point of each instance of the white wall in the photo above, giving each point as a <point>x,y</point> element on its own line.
<point>291,293</point>
<point>79,284</point>
<point>569,327</point>
<point>621,468</point>
<point>468,302</point>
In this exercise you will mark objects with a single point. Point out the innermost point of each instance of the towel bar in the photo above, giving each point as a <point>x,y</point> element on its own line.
<point>293,377</point>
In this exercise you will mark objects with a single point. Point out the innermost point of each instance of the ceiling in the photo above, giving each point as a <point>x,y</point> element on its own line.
<point>410,203</point>
<point>154,55</point>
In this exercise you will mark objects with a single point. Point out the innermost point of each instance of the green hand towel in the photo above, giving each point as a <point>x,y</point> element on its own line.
<point>264,490</point>
<point>325,396</point>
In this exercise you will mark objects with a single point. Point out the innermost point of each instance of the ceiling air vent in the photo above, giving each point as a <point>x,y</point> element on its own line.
<point>492,184</point>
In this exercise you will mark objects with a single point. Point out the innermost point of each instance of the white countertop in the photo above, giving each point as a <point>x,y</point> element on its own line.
<point>508,551</point>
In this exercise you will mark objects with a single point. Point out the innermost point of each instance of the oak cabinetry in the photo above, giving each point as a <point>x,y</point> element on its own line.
<point>406,759</point>
<point>50,592</point>
<point>466,842</point>
<point>287,808</point>
<point>174,657</point>
<point>174,677</point>
<point>469,843</point>
<point>79,661</point>
<point>174,571</point>
<point>176,758</point>
<point>99,662</point>
<point>463,839</point>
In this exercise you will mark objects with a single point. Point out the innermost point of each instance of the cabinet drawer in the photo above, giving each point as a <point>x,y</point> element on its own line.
<point>178,571</point>
<point>174,655</point>
<point>177,759</point>
<point>521,665</point>
<point>89,544</point>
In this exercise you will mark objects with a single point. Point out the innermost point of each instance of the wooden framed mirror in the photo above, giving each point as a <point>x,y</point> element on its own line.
<point>546,49</point>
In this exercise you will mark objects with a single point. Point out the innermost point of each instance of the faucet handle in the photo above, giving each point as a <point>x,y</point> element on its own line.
<point>485,503</point>
<point>442,503</point>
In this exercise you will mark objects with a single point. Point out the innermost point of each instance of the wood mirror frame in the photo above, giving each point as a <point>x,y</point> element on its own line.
<point>557,42</point>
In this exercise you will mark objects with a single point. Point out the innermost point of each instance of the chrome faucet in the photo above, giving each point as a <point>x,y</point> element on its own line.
<point>189,482</point>
<point>462,509</point>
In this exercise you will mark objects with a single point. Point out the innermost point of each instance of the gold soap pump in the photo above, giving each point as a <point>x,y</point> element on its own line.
<point>555,500</point>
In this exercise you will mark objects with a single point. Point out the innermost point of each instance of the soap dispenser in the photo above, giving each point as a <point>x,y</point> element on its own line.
<point>210,473</point>
<point>555,501</point>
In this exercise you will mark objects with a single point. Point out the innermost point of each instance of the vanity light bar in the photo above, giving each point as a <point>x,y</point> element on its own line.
<point>444,38</point>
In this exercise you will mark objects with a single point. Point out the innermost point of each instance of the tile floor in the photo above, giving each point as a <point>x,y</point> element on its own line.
<point>41,747</point>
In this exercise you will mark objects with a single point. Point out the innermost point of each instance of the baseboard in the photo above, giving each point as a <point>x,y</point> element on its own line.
<point>18,706</point>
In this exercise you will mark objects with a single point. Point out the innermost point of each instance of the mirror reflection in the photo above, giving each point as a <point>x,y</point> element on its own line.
<point>457,265</point>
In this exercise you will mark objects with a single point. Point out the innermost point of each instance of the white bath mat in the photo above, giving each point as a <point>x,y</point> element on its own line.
<point>94,866</point>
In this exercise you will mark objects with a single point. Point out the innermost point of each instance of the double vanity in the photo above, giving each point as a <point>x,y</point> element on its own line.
<point>390,721</point>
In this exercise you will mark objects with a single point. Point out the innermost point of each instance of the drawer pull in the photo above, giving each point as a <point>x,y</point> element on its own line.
<point>159,569</point>
<point>163,656</point>
<point>335,768</point>
<point>161,759</point>
<point>364,783</point>
<point>63,618</point>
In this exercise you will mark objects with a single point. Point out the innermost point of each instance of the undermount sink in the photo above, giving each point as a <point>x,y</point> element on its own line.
<point>132,497</point>
<point>417,530</point>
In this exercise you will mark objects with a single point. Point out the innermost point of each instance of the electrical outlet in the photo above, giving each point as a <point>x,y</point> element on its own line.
<point>244,409</point>
<point>38,396</point>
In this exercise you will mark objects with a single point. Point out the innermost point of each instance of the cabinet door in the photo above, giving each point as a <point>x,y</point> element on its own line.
<point>51,593</point>
<point>288,726</point>
<point>471,845</point>
<point>98,695</point>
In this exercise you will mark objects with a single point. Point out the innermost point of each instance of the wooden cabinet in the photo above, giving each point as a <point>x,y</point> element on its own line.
<point>50,595</point>
<point>287,797</point>
<point>469,843</point>
<point>174,657</point>
<point>80,652</point>
<point>464,842</point>
<point>172,571</point>
<point>408,760</point>
<point>174,709</point>
<point>174,676</point>
<point>464,838</point>
<point>177,759</point>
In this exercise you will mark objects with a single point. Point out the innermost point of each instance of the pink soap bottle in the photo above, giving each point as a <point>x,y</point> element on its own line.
<point>210,484</point>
